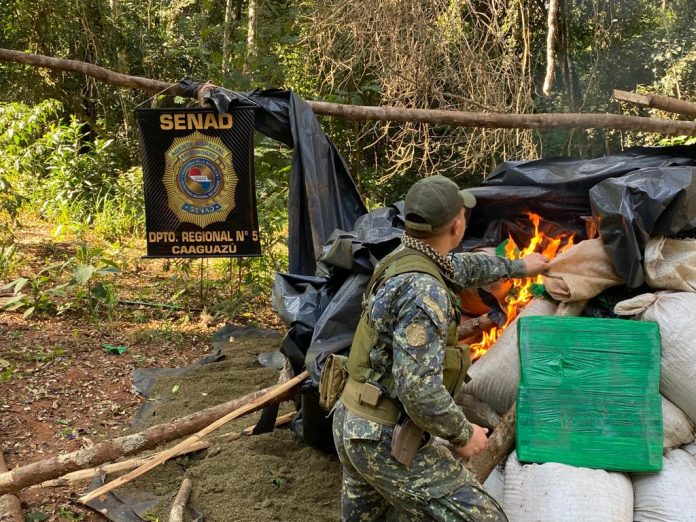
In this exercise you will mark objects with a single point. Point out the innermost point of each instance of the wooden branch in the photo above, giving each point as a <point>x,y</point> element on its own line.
<point>100,73</point>
<point>269,398</point>
<point>552,24</point>
<point>657,101</point>
<point>116,467</point>
<point>395,114</point>
<point>10,506</point>
<point>127,465</point>
<point>179,505</point>
<point>499,445</point>
<point>505,121</point>
<point>109,451</point>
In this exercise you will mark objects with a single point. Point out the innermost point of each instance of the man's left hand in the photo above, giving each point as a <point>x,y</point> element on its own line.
<point>536,264</point>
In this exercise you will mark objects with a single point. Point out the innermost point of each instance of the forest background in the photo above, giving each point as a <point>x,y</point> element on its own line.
<point>70,158</point>
<point>80,308</point>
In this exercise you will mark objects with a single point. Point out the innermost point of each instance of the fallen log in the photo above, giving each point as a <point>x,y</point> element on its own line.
<point>500,444</point>
<point>127,465</point>
<point>269,398</point>
<point>179,505</point>
<point>657,101</point>
<point>395,114</point>
<point>116,467</point>
<point>109,451</point>
<point>10,506</point>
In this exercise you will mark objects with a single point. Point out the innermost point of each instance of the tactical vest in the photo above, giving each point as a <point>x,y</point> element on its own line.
<point>457,360</point>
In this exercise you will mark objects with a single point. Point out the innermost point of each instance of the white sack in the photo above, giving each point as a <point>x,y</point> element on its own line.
<point>670,495</point>
<point>675,313</point>
<point>670,264</point>
<point>495,484</point>
<point>690,448</point>
<point>496,375</point>
<point>677,427</point>
<point>561,493</point>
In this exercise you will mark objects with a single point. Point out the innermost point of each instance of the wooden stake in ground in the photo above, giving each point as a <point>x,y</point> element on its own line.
<point>396,114</point>
<point>179,505</point>
<point>499,445</point>
<point>10,506</point>
<point>255,405</point>
<point>657,101</point>
<point>109,451</point>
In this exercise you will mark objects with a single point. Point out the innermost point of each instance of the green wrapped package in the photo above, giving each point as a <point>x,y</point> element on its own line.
<point>589,393</point>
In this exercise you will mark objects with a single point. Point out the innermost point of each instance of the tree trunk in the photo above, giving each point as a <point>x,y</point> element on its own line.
<point>252,16</point>
<point>552,25</point>
<point>228,28</point>
<point>364,113</point>
<point>10,506</point>
<point>109,451</point>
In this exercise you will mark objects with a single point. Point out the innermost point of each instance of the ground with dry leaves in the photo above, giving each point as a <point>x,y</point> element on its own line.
<point>66,391</point>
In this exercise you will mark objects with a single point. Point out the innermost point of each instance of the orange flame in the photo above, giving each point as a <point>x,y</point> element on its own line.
<point>521,292</point>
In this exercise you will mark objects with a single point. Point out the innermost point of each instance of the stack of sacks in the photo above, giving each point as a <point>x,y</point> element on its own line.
<point>670,268</point>
<point>559,493</point>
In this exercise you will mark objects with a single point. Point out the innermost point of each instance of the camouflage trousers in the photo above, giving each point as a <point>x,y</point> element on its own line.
<point>436,486</point>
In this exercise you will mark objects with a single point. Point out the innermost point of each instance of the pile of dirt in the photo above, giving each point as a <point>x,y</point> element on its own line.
<point>269,477</point>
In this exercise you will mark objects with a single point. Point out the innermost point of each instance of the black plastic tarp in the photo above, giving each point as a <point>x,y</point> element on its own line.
<point>630,189</point>
<point>649,202</point>
<point>636,193</point>
<point>346,262</point>
<point>323,196</point>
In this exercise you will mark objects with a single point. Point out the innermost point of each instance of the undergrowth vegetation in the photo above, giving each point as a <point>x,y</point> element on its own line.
<point>77,185</point>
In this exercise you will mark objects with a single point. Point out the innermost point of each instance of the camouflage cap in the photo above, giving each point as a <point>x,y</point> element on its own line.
<point>432,202</point>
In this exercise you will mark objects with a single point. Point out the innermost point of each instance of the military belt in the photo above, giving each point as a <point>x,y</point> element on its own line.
<point>387,411</point>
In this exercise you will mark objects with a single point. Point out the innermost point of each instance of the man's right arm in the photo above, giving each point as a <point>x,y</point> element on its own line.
<point>474,270</point>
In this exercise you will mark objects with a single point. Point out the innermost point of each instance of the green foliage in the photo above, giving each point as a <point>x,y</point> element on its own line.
<point>85,280</point>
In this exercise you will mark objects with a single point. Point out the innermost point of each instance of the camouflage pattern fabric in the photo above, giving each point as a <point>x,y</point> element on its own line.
<point>411,313</point>
<point>436,486</point>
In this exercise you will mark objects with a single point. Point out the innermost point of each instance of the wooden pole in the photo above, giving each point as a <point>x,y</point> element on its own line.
<point>657,101</point>
<point>109,451</point>
<point>127,465</point>
<point>499,445</point>
<point>261,402</point>
<point>179,505</point>
<point>394,114</point>
<point>116,467</point>
<point>10,506</point>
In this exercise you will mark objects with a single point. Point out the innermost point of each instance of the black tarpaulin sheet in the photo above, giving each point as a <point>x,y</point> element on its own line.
<point>331,303</point>
<point>323,196</point>
<point>649,202</point>
<point>558,189</point>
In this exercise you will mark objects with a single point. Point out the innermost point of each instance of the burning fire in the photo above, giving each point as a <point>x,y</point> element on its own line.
<point>521,292</point>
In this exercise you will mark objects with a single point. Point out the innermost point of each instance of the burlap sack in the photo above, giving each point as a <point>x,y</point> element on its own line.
<point>582,272</point>
<point>670,264</point>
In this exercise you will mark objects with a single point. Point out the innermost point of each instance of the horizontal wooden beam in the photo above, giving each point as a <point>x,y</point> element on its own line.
<point>395,114</point>
<point>657,101</point>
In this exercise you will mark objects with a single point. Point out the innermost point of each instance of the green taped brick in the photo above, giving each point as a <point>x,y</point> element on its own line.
<point>589,393</point>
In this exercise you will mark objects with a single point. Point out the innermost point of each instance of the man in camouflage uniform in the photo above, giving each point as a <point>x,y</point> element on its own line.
<point>408,317</point>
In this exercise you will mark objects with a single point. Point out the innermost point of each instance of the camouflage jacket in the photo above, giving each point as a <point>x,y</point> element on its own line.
<point>411,313</point>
